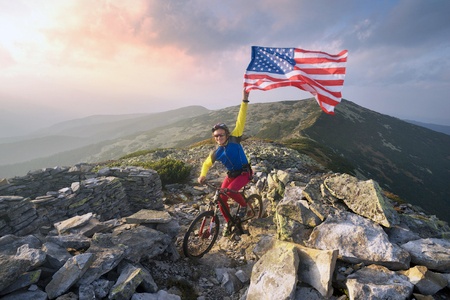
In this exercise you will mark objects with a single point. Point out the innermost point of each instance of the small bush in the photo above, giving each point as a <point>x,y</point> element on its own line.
<point>170,170</point>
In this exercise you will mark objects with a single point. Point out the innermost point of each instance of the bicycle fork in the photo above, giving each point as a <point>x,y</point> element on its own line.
<point>205,233</point>
<point>209,225</point>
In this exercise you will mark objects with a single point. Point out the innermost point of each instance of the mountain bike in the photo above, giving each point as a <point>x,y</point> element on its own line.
<point>204,229</point>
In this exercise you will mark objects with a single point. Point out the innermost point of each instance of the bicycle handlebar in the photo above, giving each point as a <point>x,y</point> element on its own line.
<point>209,184</point>
<point>224,190</point>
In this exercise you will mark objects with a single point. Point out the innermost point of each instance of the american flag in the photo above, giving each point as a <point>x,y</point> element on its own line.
<point>317,72</point>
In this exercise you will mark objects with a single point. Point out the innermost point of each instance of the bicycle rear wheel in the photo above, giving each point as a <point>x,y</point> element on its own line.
<point>201,234</point>
<point>255,207</point>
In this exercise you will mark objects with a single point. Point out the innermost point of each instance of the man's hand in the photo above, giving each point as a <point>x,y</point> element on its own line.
<point>245,96</point>
<point>201,179</point>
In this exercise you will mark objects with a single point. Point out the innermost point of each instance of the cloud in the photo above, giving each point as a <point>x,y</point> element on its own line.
<point>6,59</point>
<point>194,52</point>
<point>415,24</point>
<point>95,31</point>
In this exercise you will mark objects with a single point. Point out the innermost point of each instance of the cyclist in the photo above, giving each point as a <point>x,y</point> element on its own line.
<point>230,153</point>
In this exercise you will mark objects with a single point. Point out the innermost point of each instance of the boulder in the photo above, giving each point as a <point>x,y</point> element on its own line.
<point>426,281</point>
<point>13,266</point>
<point>142,242</point>
<point>26,295</point>
<point>107,257</point>
<point>129,279</point>
<point>294,217</point>
<point>432,253</point>
<point>68,275</point>
<point>321,201</point>
<point>316,267</point>
<point>358,240</point>
<point>274,275</point>
<point>149,216</point>
<point>363,197</point>
<point>71,223</point>
<point>378,282</point>
<point>24,280</point>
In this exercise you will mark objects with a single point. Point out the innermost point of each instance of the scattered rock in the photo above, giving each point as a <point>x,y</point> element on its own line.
<point>73,233</point>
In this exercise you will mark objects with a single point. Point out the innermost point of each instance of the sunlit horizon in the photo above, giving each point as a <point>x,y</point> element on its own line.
<point>63,60</point>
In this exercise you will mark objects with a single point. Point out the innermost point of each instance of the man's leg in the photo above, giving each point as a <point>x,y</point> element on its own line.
<point>236,184</point>
<point>224,198</point>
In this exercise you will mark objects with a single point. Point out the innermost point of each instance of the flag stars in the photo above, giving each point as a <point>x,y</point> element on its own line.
<point>278,61</point>
<point>276,67</point>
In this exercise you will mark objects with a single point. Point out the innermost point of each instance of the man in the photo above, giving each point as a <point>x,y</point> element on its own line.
<point>230,153</point>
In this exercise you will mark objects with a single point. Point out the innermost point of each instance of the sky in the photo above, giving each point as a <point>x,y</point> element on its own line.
<point>69,59</point>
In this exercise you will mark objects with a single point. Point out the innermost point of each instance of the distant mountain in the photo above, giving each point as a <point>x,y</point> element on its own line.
<point>29,149</point>
<point>106,127</point>
<point>83,126</point>
<point>408,160</point>
<point>19,117</point>
<point>439,128</point>
<point>74,134</point>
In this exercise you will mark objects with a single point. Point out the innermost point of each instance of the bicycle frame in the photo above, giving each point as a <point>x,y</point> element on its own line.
<point>234,220</point>
<point>204,229</point>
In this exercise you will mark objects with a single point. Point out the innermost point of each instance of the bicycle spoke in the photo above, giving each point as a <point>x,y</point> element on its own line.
<point>201,235</point>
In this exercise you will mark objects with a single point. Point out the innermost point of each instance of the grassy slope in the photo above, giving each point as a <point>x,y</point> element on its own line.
<point>406,159</point>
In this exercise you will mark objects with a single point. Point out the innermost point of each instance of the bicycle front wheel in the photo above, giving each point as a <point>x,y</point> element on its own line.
<point>201,234</point>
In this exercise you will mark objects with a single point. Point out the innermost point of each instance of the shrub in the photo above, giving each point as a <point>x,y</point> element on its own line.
<point>170,170</point>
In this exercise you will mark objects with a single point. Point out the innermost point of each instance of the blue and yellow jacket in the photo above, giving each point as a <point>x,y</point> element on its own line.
<point>231,155</point>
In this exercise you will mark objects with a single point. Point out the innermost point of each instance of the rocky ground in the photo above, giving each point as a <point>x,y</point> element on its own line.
<point>203,278</point>
<point>224,272</point>
<point>193,278</point>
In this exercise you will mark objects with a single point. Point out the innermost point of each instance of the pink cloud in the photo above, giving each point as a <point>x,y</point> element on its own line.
<point>6,60</point>
<point>96,29</point>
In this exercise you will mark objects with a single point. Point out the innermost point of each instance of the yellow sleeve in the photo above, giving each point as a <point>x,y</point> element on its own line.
<point>206,165</point>
<point>240,122</point>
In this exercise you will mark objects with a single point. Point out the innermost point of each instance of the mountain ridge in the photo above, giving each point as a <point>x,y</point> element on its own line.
<point>436,127</point>
<point>74,134</point>
<point>403,158</point>
<point>406,159</point>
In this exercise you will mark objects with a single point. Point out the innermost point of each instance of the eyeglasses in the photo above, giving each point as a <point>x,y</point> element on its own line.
<point>219,135</point>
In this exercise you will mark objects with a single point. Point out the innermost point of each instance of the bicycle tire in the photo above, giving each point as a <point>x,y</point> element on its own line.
<point>208,225</point>
<point>256,202</point>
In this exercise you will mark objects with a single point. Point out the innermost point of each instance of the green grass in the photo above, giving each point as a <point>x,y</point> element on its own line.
<point>138,153</point>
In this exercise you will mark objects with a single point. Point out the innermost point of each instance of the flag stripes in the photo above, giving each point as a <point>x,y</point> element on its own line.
<point>317,72</point>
